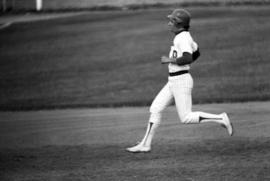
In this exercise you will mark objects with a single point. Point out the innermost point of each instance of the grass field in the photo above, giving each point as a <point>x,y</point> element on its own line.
<point>107,4</point>
<point>113,58</point>
<point>63,5</point>
<point>89,144</point>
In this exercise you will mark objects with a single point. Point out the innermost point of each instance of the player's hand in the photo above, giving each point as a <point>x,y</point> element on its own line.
<point>165,60</point>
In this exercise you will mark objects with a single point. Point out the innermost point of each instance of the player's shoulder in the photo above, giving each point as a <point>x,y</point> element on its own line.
<point>183,36</point>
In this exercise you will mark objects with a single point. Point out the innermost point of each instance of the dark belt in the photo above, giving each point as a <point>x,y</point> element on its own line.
<point>178,73</point>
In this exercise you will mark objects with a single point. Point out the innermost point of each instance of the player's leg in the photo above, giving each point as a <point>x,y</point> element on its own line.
<point>183,104</point>
<point>183,101</point>
<point>161,101</point>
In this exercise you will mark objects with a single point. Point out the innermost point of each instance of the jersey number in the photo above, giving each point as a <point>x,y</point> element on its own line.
<point>174,54</point>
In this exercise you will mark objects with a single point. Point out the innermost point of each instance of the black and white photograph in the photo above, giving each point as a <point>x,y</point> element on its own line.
<point>126,90</point>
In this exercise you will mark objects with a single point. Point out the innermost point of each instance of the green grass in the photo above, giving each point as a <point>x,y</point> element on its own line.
<point>89,144</point>
<point>113,58</point>
<point>131,4</point>
<point>16,6</point>
<point>207,160</point>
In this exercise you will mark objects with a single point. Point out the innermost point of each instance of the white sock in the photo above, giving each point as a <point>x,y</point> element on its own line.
<point>153,124</point>
<point>207,117</point>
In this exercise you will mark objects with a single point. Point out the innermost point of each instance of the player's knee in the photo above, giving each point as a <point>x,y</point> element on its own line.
<point>189,118</point>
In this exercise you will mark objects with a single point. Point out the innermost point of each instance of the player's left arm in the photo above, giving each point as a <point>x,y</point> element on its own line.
<point>186,58</point>
<point>196,54</point>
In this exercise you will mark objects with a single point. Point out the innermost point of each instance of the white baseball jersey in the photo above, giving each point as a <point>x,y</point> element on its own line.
<point>183,42</point>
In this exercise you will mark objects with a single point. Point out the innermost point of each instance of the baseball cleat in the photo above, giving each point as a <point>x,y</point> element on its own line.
<point>227,124</point>
<point>139,149</point>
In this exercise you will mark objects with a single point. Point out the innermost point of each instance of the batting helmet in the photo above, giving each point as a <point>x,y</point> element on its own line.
<point>180,16</point>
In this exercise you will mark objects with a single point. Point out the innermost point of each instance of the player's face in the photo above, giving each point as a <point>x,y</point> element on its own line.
<point>175,28</point>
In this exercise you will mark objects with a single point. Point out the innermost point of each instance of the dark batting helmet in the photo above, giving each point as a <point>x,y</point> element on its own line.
<point>180,16</point>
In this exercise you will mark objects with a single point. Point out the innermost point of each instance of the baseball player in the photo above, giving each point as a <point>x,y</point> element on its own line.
<point>183,52</point>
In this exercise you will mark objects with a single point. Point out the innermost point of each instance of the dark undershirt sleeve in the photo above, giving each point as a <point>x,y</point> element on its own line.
<point>185,59</point>
<point>188,58</point>
<point>196,54</point>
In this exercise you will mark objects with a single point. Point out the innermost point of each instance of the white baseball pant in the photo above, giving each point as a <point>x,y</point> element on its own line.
<point>178,89</point>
